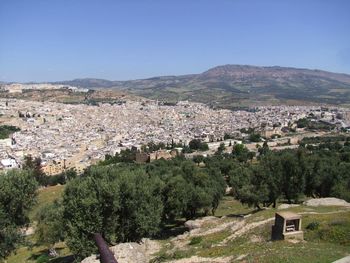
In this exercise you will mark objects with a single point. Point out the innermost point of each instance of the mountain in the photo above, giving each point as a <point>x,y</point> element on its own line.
<point>231,86</point>
<point>87,83</point>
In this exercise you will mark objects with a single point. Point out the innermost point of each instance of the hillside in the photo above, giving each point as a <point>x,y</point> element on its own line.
<point>67,96</point>
<point>231,86</point>
<point>236,234</point>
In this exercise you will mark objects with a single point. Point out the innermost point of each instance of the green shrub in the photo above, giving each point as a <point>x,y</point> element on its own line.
<point>313,226</point>
<point>43,258</point>
<point>195,240</point>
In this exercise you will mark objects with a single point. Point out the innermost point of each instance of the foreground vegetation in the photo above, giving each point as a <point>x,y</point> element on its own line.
<point>31,250</point>
<point>321,243</point>
<point>125,201</point>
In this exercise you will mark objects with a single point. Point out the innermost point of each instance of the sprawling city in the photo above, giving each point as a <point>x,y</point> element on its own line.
<point>68,136</point>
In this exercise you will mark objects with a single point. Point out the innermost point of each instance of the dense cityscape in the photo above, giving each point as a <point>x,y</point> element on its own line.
<point>74,136</point>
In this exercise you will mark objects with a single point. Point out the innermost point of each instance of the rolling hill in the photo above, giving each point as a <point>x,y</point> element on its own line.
<point>232,86</point>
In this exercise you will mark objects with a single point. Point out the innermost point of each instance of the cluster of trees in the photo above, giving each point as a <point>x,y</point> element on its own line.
<point>127,202</point>
<point>6,130</point>
<point>17,195</point>
<point>228,136</point>
<point>311,124</point>
<point>255,137</point>
<point>291,174</point>
<point>241,153</point>
<point>325,139</point>
<point>197,144</point>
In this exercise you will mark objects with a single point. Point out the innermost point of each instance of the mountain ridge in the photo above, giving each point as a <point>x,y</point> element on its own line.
<point>234,66</point>
<point>232,85</point>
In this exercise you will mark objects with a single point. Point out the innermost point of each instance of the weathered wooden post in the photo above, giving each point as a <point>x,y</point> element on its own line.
<point>106,256</point>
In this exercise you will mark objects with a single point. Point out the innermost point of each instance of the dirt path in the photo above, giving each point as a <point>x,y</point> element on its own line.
<point>245,229</point>
<point>237,227</point>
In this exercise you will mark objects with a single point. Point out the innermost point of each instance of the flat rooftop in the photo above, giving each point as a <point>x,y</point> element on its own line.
<point>289,215</point>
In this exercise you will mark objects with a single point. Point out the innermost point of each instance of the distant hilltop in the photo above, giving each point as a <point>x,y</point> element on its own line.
<point>232,86</point>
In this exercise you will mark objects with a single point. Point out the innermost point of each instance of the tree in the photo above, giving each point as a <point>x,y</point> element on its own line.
<point>240,152</point>
<point>50,226</point>
<point>221,148</point>
<point>176,196</point>
<point>228,136</point>
<point>17,195</point>
<point>197,144</point>
<point>34,165</point>
<point>254,137</point>
<point>70,174</point>
<point>127,202</point>
<point>217,187</point>
<point>121,204</point>
<point>251,155</point>
<point>292,177</point>
<point>303,123</point>
<point>264,149</point>
<point>194,144</point>
<point>198,159</point>
<point>204,147</point>
<point>271,166</point>
<point>7,130</point>
<point>186,149</point>
<point>249,186</point>
<point>206,188</point>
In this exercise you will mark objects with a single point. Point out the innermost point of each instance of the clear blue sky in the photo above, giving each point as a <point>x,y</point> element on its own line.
<point>48,40</point>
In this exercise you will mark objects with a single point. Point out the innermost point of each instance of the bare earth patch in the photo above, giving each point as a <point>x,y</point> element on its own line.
<point>131,252</point>
<point>328,201</point>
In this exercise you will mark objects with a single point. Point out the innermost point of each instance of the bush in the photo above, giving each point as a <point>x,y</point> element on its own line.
<point>313,226</point>
<point>6,130</point>
<point>43,258</point>
<point>195,240</point>
<point>197,144</point>
<point>55,179</point>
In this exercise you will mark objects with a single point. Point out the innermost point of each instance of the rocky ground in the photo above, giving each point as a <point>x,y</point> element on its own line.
<point>131,252</point>
<point>235,227</point>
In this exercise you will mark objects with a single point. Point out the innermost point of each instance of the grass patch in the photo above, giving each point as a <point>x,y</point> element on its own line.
<point>332,228</point>
<point>215,238</point>
<point>46,196</point>
<point>231,207</point>
<point>38,254</point>
<point>327,243</point>
<point>195,240</point>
